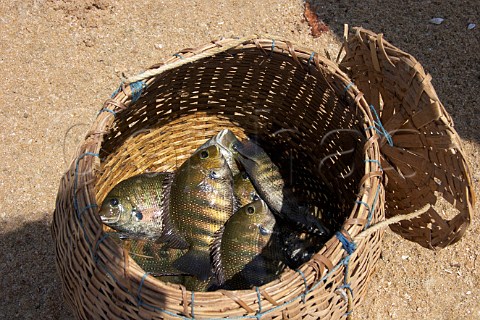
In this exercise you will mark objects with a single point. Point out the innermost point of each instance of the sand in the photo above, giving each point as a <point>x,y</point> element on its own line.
<point>61,59</point>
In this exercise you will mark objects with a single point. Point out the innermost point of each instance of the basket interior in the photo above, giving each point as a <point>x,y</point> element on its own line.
<point>307,128</point>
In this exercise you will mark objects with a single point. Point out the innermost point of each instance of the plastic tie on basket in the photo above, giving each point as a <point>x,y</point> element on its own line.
<point>379,128</point>
<point>192,305</point>
<point>117,91</point>
<point>259,299</point>
<point>137,89</point>
<point>304,294</point>
<point>310,59</point>
<point>139,291</point>
<point>346,286</point>
<point>348,246</point>
<point>370,213</point>
<point>347,87</point>
<point>90,206</point>
<point>375,161</point>
<point>178,55</point>
<point>107,110</point>
<point>273,47</point>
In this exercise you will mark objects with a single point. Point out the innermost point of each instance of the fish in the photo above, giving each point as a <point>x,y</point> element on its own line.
<point>243,190</point>
<point>224,140</point>
<point>152,257</point>
<point>270,186</point>
<point>139,207</point>
<point>247,250</point>
<point>201,202</point>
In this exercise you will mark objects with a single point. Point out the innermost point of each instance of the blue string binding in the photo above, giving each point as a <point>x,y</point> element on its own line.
<point>365,204</point>
<point>139,297</point>
<point>348,246</point>
<point>311,58</point>
<point>304,294</point>
<point>347,87</point>
<point>105,236</point>
<point>348,313</point>
<point>178,55</point>
<point>377,162</point>
<point>116,91</point>
<point>370,213</point>
<point>347,286</point>
<point>192,309</point>
<point>107,110</point>
<point>90,206</point>
<point>259,299</point>
<point>381,130</point>
<point>137,89</point>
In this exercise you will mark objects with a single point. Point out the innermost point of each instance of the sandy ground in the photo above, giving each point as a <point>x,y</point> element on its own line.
<point>61,59</point>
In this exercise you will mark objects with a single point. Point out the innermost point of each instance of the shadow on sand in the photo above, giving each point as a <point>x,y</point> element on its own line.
<point>30,286</point>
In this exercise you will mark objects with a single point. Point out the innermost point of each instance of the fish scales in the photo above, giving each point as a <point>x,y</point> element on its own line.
<point>243,190</point>
<point>268,182</point>
<point>201,202</point>
<point>139,207</point>
<point>246,251</point>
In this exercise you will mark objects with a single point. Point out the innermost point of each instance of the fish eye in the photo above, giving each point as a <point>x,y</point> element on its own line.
<point>204,154</point>
<point>255,196</point>
<point>234,146</point>
<point>250,210</point>
<point>244,175</point>
<point>114,202</point>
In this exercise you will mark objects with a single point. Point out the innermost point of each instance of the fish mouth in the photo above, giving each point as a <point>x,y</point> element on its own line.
<point>110,220</point>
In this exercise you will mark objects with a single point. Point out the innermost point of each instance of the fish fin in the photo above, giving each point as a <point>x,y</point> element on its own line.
<point>170,235</point>
<point>216,258</point>
<point>173,240</point>
<point>194,262</point>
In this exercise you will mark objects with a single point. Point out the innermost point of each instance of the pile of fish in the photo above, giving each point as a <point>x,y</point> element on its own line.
<point>223,220</point>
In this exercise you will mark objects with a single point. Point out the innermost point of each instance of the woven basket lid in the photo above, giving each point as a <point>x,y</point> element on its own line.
<point>287,95</point>
<point>421,152</point>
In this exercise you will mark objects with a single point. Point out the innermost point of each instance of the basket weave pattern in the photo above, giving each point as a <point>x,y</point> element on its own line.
<point>424,160</point>
<point>290,99</point>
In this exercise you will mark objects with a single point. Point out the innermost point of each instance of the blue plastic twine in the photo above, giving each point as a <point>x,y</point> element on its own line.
<point>381,130</point>
<point>137,89</point>
<point>311,58</point>
<point>348,246</point>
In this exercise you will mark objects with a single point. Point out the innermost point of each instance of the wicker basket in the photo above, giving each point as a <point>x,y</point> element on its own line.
<point>306,113</point>
<point>422,157</point>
